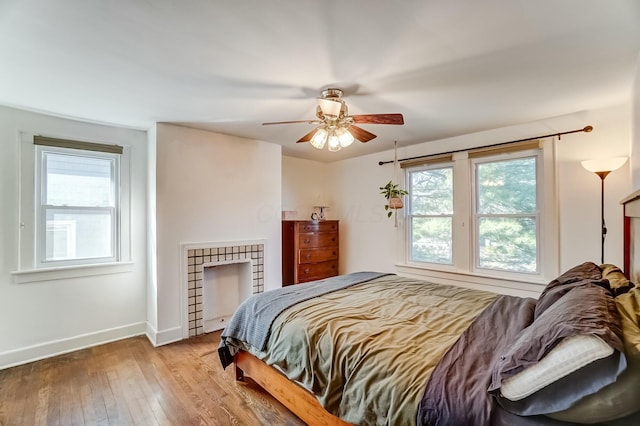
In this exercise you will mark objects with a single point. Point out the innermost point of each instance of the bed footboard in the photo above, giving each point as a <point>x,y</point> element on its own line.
<point>302,403</point>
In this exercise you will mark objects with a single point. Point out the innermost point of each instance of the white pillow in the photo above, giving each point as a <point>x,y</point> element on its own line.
<point>570,355</point>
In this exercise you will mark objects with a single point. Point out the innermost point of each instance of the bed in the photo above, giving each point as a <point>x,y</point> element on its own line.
<point>373,349</point>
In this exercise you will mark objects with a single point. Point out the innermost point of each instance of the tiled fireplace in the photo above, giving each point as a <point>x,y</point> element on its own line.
<point>197,257</point>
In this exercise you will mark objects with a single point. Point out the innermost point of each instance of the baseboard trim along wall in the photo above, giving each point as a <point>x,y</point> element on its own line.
<point>58,347</point>
<point>164,337</point>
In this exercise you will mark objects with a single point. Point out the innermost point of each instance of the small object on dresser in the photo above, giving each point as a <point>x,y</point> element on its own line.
<point>320,214</point>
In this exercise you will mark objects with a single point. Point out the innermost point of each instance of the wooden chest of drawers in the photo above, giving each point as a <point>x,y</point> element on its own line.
<point>309,250</point>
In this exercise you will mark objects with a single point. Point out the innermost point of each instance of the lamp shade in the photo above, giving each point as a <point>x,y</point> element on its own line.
<point>333,143</point>
<point>330,107</point>
<point>344,136</point>
<point>604,164</point>
<point>320,138</point>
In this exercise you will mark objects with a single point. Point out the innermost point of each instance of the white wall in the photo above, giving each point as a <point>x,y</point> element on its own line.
<point>152,257</point>
<point>579,189</point>
<point>39,319</point>
<point>212,187</point>
<point>635,120</point>
<point>304,186</point>
<point>369,240</point>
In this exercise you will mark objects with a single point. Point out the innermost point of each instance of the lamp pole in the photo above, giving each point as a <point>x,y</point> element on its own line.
<point>602,175</point>
<point>602,167</point>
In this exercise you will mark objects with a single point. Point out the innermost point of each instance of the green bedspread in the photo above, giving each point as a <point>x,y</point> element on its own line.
<point>367,352</point>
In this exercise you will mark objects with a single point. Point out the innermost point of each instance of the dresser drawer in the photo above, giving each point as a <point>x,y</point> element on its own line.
<point>331,226</point>
<point>317,255</point>
<point>317,271</point>
<point>321,239</point>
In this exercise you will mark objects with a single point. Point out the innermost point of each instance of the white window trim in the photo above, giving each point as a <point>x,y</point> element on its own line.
<point>41,208</point>
<point>463,259</point>
<point>76,271</point>
<point>27,270</point>
<point>540,224</point>
<point>409,222</point>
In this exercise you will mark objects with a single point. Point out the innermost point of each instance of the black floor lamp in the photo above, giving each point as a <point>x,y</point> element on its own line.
<point>602,167</point>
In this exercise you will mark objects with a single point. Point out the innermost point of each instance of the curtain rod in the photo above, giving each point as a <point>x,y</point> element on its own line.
<point>585,129</point>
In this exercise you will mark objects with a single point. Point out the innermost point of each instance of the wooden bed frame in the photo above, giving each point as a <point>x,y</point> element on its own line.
<point>297,399</point>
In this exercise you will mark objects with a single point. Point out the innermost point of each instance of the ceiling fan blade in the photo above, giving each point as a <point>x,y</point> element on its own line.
<point>308,136</point>
<point>290,122</point>
<point>378,118</point>
<point>361,134</point>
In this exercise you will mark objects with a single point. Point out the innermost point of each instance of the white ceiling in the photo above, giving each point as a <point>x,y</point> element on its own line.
<point>450,67</point>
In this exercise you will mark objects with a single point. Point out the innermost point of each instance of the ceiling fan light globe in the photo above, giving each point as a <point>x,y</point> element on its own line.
<point>345,137</point>
<point>319,139</point>
<point>330,107</point>
<point>334,143</point>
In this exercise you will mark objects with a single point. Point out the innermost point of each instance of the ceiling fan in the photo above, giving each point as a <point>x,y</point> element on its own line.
<point>336,127</point>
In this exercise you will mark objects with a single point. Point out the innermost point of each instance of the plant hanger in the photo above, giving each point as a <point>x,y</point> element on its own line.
<point>391,192</point>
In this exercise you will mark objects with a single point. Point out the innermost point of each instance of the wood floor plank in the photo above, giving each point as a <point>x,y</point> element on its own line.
<point>131,382</point>
<point>10,408</point>
<point>44,395</point>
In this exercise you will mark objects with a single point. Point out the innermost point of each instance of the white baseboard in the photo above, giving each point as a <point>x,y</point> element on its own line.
<point>164,337</point>
<point>152,334</point>
<point>57,347</point>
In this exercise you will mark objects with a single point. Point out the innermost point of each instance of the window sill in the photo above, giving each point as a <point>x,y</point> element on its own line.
<point>64,272</point>
<point>531,287</point>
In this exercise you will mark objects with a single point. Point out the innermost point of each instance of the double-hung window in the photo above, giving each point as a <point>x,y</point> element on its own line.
<point>431,217</point>
<point>506,214</point>
<point>77,203</point>
<point>485,211</point>
<point>74,209</point>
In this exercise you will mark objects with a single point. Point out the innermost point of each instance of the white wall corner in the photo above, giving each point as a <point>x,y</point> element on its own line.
<point>151,333</point>
<point>164,337</point>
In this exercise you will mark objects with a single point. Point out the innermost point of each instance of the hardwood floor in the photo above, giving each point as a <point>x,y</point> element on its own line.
<point>130,382</point>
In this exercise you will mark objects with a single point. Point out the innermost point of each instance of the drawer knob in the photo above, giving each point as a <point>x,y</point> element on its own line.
<point>307,241</point>
<point>306,271</point>
<point>308,256</point>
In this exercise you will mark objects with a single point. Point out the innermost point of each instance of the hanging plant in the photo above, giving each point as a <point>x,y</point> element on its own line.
<point>394,195</point>
<point>391,192</point>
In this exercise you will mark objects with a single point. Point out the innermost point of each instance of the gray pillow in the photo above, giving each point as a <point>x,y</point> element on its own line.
<point>584,273</point>
<point>619,399</point>
<point>584,309</point>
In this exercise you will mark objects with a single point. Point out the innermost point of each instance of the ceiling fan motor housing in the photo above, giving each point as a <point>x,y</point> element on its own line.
<point>336,126</point>
<point>331,93</point>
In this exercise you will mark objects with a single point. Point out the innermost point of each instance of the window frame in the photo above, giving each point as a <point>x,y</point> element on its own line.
<point>410,216</point>
<point>41,207</point>
<point>475,215</point>
<point>27,270</point>
<point>464,225</point>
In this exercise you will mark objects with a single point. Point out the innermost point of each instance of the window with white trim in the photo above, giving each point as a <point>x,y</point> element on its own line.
<point>77,206</point>
<point>431,214</point>
<point>488,212</point>
<point>74,203</point>
<point>506,214</point>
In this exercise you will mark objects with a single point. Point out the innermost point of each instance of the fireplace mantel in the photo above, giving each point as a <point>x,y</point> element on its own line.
<point>197,256</point>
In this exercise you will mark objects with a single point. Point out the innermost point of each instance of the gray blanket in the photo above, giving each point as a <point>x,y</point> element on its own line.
<point>251,323</point>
